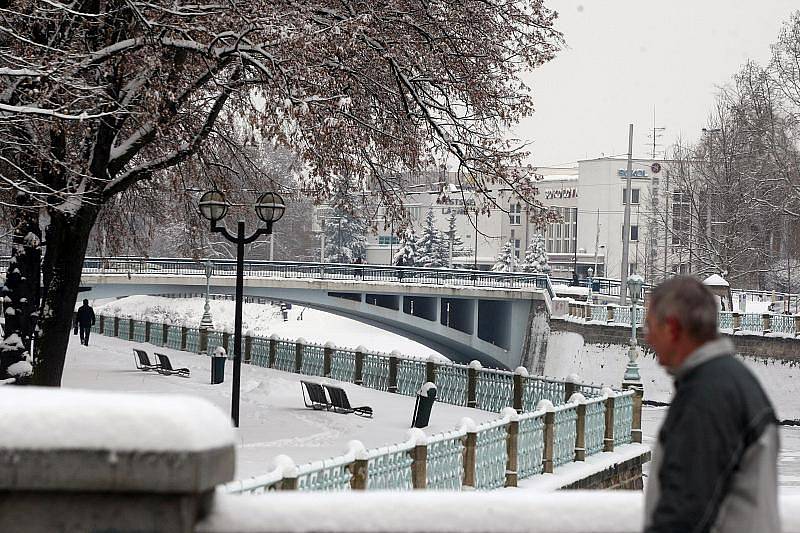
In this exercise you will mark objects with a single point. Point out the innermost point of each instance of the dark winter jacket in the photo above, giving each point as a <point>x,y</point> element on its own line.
<point>85,316</point>
<point>715,465</point>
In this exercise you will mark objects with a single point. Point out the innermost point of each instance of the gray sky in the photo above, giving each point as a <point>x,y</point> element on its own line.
<point>626,57</point>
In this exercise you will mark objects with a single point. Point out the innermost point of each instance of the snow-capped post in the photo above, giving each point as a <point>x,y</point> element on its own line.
<point>203,340</point>
<point>430,369</point>
<point>580,426</point>
<point>737,321</point>
<point>512,447</point>
<point>548,434</point>
<point>359,467</point>
<point>520,376</point>
<point>608,436</point>
<point>116,326</point>
<point>419,459</point>
<point>470,452</point>
<point>359,370</point>
<point>299,346</point>
<point>610,313</point>
<point>146,331</point>
<point>766,320</point>
<point>131,328</point>
<point>226,336</point>
<point>472,383</point>
<point>571,386</point>
<point>636,425</point>
<point>394,362</point>
<point>327,358</point>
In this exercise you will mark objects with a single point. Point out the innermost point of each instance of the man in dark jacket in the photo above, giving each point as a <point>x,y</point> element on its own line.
<point>85,321</point>
<point>715,464</point>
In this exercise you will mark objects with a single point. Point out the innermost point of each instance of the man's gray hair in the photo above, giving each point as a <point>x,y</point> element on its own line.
<point>689,302</point>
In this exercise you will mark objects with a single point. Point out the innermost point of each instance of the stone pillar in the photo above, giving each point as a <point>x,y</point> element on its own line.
<point>298,355</point>
<point>587,311</point>
<point>419,466</point>
<point>359,377</point>
<point>549,440</point>
<point>580,432</point>
<point>470,449</point>
<point>766,320</point>
<point>610,313</point>
<point>608,437</point>
<point>359,471</point>
<point>147,331</point>
<point>636,426</point>
<point>520,375</point>
<point>131,326</point>
<point>116,326</point>
<point>512,434</point>
<point>184,332</point>
<point>737,321</point>
<point>472,383</point>
<point>248,348</point>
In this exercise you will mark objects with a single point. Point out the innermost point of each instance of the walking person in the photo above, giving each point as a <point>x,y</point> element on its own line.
<point>85,321</point>
<point>715,463</point>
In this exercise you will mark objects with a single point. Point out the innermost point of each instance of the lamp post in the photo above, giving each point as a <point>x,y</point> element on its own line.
<point>270,209</point>
<point>207,322</point>
<point>590,272</point>
<point>632,378</point>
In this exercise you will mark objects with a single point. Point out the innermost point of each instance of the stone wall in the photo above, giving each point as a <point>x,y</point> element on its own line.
<point>626,475</point>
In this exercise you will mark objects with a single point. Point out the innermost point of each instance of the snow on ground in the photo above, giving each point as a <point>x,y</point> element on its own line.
<point>273,420</point>
<point>264,320</point>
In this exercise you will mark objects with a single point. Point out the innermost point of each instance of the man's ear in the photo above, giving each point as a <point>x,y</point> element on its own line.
<point>674,327</point>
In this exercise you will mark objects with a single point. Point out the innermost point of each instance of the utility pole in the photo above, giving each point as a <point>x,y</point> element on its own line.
<point>596,242</point>
<point>626,225</point>
<point>271,246</point>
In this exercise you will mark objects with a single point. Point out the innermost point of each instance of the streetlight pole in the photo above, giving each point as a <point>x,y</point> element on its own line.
<point>269,208</point>
<point>626,225</point>
<point>207,322</point>
<point>632,379</point>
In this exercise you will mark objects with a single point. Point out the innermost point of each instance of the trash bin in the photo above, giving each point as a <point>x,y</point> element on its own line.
<point>218,365</point>
<point>422,409</point>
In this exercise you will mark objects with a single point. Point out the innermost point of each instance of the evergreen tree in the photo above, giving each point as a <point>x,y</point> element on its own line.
<point>458,243</point>
<point>503,263</point>
<point>429,248</point>
<point>536,256</point>
<point>407,254</point>
<point>345,238</point>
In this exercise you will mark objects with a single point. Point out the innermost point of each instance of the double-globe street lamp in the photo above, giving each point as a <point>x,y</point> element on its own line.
<point>270,209</point>
<point>632,378</point>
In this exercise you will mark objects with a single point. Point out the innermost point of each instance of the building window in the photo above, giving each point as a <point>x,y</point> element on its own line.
<point>515,214</point>
<point>516,248</point>
<point>634,232</point>
<point>634,196</point>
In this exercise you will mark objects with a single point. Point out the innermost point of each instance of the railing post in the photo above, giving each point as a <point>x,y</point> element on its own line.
<point>419,466</point>
<point>273,350</point>
<point>549,437</point>
<point>636,425</point>
<point>608,436</point>
<point>248,348</point>
<point>359,467</point>
<point>587,311</point>
<point>226,336</point>
<point>299,345</point>
<point>116,326</point>
<point>203,341</point>
<point>288,483</point>
<point>570,386</point>
<point>358,379</point>
<point>102,325</point>
<point>472,383</point>
<point>147,331</point>
<point>470,452</point>
<point>520,375</point>
<point>610,313</point>
<point>737,321</point>
<point>164,333</point>
<point>327,358</point>
<point>766,320</point>
<point>131,326</point>
<point>394,362</point>
<point>580,428</point>
<point>512,434</point>
<point>184,335</point>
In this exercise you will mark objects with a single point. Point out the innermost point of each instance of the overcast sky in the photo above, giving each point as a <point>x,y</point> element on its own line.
<point>626,57</point>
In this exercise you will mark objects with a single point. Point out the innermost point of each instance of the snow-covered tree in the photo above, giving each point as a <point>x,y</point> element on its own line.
<point>345,238</point>
<point>452,233</point>
<point>504,261</point>
<point>99,98</point>
<point>429,244</point>
<point>407,254</point>
<point>536,256</point>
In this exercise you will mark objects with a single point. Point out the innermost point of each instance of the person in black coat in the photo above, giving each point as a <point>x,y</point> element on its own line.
<point>85,321</point>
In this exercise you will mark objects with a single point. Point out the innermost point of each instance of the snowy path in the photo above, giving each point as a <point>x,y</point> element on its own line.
<point>273,418</point>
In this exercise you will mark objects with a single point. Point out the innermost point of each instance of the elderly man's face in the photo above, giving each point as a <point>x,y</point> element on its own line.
<point>662,337</point>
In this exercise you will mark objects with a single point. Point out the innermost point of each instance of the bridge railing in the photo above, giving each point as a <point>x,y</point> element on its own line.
<point>321,271</point>
<point>487,456</point>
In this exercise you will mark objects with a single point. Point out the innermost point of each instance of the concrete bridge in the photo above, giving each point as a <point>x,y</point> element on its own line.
<point>499,319</point>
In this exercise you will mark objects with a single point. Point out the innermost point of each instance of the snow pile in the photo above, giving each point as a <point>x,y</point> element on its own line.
<point>45,418</point>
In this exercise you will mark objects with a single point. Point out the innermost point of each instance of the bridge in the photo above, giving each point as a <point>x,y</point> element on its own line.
<point>499,319</point>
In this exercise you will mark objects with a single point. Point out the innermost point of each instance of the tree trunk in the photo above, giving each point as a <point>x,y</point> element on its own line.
<point>20,293</point>
<point>66,241</point>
